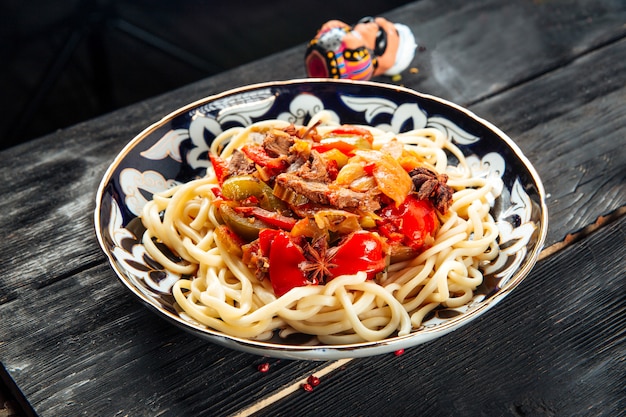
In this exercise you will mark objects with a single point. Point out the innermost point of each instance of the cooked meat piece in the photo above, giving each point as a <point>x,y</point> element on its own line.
<point>432,186</point>
<point>291,130</point>
<point>345,198</point>
<point>277,144</point>
<point>315,191</point>
<point>298,157</point>
<point>239,164</point>
<point>321,193</point>
<point>314,169</point>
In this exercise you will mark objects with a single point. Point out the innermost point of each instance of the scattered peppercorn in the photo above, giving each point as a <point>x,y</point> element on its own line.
<point>307,387</point>
<point>399,352</point>
<point>313,381</point>
<point>264,367</point>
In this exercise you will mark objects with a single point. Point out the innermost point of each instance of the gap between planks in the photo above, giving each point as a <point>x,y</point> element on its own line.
<point>548,251</point>
<point>547,70</point>
<point>582,233</point>
<point>288,389</point>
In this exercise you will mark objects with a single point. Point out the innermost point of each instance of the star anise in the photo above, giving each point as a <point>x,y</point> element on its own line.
<point>432,186</point>
<point>319,260</point>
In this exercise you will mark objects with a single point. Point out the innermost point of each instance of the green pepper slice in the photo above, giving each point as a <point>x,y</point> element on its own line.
<point>241,187</point>
<point>247,228</point>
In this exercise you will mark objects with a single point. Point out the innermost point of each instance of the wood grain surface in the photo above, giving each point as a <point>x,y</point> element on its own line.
<point>551,74</point>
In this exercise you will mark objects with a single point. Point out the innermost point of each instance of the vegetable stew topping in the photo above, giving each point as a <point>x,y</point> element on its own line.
<point>304,208</point>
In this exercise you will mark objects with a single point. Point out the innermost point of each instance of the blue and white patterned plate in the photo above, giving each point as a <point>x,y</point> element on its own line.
<point>174,150</point>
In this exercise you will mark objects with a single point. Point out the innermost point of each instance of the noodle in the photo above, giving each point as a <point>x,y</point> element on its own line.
<point>219,290</point>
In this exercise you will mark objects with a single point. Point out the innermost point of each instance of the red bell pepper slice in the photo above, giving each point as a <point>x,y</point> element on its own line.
<point>217,191</point>
<point>369,168</point>
<point>266,236</point>
<point>360,251</point>
<point>350,130</point>
<point>285,258</point>
<point>344,147</point>
<point>412,223</point>
<point>270,217</point>
<point>220,166</point>
<point>260,157</point>
<point>346,139</point>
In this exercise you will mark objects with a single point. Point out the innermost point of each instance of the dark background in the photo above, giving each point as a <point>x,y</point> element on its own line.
<point>65,61</point>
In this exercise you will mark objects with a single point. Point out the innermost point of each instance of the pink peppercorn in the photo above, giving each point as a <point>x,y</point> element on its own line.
<point>313,381</point>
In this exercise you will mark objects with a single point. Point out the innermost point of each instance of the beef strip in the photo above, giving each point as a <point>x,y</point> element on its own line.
<point>321,193</point>
<point>314,191</point>
<point>346,198</point>
<point>432,186</point>
<point>314,169</point>
<point>277,145</point>
<point>239,164</point>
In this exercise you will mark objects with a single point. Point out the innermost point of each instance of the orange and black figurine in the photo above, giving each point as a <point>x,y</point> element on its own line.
<point>372,47</point>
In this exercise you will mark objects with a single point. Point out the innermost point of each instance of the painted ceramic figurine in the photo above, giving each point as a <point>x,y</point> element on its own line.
<point>372,47</point>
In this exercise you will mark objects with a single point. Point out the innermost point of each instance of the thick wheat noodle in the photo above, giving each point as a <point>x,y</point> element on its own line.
<point>224,294</point>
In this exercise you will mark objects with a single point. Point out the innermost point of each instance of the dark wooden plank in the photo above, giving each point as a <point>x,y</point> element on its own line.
<point>555,347</point>
<point>574,137</point>
<point>105,352</point>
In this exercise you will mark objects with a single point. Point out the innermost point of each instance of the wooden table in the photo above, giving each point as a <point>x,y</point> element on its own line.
<point>552,74</point>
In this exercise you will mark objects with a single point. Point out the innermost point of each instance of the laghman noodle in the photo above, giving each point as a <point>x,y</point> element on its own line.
<point>226,296</point>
